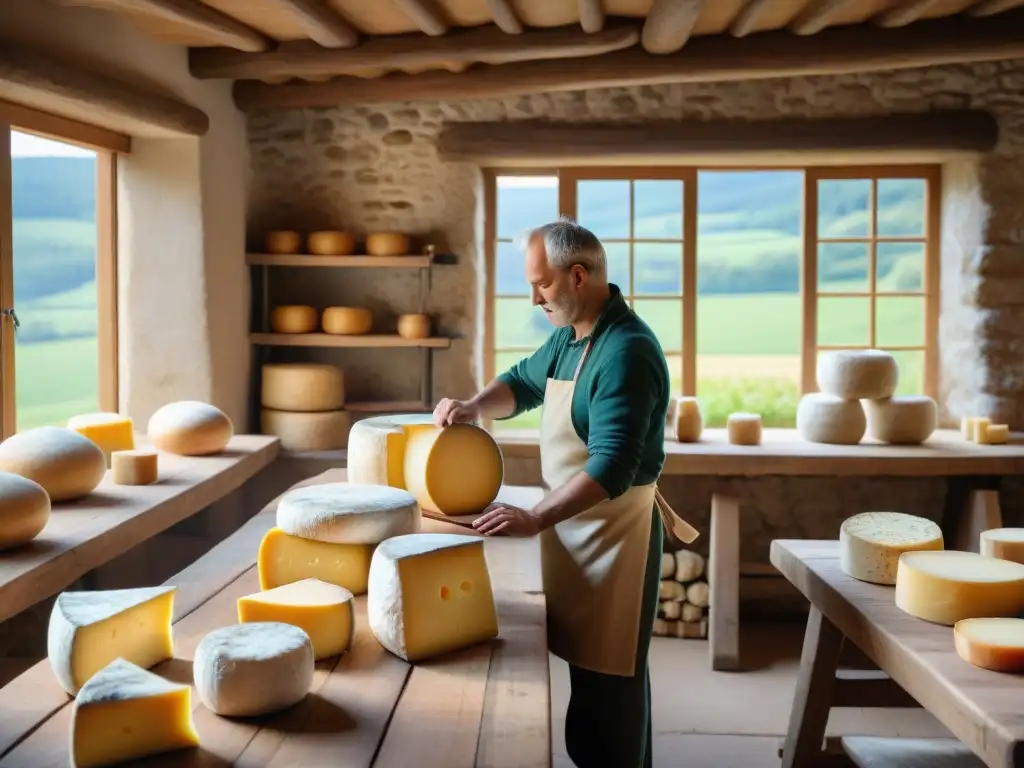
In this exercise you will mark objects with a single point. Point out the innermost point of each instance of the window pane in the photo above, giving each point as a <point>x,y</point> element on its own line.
<point>658,269</point>
<point>517,323</point>
<point>665,317</point>
<point>900,267</point>
<point>529,420</point>
<point>675,372</point>
<point>56,351</point>
<point>911,364</point>
<point>602,206</point>
<point>844,208</point>
<point>843,267</point>
<point>901,207</point>
<point>899,321</point>
<point>844,322</point>
<point>524,202</point>
<point>658,209</point>
<point>618,265</point>
<point>510,271</point>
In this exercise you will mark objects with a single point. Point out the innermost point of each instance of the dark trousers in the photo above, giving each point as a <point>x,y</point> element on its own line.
<point>608,723</point>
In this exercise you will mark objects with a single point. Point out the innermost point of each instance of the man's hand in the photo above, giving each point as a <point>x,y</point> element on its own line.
<point>507,520</point>
<point>448,412</point>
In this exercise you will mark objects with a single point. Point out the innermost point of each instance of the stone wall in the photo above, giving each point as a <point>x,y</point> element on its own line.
<point>376,167</point>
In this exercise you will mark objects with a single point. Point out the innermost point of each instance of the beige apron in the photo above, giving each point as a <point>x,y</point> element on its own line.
<point>594,562</point>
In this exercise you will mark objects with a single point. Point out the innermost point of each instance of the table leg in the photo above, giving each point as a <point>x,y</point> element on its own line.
<point>724,584</point>
<point>972,506</point>
<point>819,660</point>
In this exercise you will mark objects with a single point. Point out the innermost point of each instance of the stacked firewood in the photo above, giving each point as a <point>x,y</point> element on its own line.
<point>683,596</point>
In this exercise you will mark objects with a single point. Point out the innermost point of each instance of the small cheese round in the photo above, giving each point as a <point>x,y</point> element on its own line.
<point>387,244</point>
<point>1004,543</point>
<point>253,668</point>
<point>901,419</point>
<point>414,326</point>
<point>870,544</point>
<point>347,513</point>
<point>24,510</point>
<point>347,321</point>
<point>283,241</point>
<point>294,318</point>
<point>190,428</point>
<point>67,465</point>
<point>822,418</point>
<point>134,467</point>
<point>689,422</point>
<point>744,428</point>
<point>310,431</point>
<point>330,243</point>
<point>858,374</point>
<point>302,387</point>
<point>991,643</point>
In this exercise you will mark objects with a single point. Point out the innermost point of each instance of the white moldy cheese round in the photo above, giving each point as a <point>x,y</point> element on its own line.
<point>24,510</point>
<point>822,418</point>
<point>190,428</point>
<point>303,387</point>
<point>992,643</point>
<point>947,586</point>
<point>870,544</point>
<point>858,374</point>
<point>901,419</point>
<point>1004,543</point>
<point>348,513</point>
<point>251,669</point>
<point>67,465</point>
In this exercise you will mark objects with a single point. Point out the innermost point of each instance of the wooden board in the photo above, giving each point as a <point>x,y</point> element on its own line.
<point>783,452</point>
<point>981,708</point>
<point>85,534</point>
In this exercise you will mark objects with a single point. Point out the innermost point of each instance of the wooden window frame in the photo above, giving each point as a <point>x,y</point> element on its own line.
<point>107,145</point>
<point>567,205</point>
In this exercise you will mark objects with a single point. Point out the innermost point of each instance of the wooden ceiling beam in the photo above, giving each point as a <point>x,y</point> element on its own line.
<point>505,17</point>
<point>817,15</point>
<point>669,24</point>
<point>468,46</point>
<point>322,23</point>
<point>591,15</point>
<point>193,14</point>
<point>905,13</point>
<point>743,23</point>
<point>843,50</point>
<point>424,14</point>
<point>992,7</point>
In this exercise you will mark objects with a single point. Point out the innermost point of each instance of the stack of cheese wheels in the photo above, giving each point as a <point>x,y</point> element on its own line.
<point>66,464</point>
<point>294,318</point>
<point>456,470</point>
<point>870,544</point>
<point>834,415</point>
<point>303,405</point>
<point>687,420</point>
<point>190,428</point>
<point>328,532</point>
<point>346,321</point>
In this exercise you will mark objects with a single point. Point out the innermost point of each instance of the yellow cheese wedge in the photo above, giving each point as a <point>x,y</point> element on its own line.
<point>325,611</point>
<point>134,467</point>
<point>284,559</point>
<point>946,586</point>
<point>1004,543</point>
<point>993,643</point>
<point>110,431</point>
<point>125,713</point>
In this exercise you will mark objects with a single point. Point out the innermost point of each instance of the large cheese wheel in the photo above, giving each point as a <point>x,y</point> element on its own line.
<point>24,510</point>
<point>387,244</point>
<point>946,586</point>
<point>330,243</point>
<point>901,419</point>
<point>858,374</point>
<point>454,470</point>
<point>822,418</point>
<point>190,428</point>
<point>870,544</point>
<point>414,326</point>
<point>66,464</point>
<point>744,428</point>
<point>346,321</point>
<point>294,318</point>
<point>302,387</point>
<point>1004,543</point>
<point>310,431</point>
<point>991,643</point>
<point>283,241</point>
<point>348,513</point>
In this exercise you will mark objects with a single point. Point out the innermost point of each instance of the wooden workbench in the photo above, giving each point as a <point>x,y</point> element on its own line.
<point>485,706</point>
<point>920,665</point>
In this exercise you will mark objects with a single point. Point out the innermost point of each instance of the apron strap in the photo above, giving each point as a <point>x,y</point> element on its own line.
<point>678,530</point>
<point>579,365</point>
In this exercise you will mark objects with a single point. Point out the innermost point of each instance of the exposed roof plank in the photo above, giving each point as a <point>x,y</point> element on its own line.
<point>425,15</point>
<point>669,24</point>
<point>591,15</point>
<point>817,16</point>
<point>322,23</point>
<point>505,17</point>
<point>992,7</point>
<point>745,20</point>
<point>905,12</point>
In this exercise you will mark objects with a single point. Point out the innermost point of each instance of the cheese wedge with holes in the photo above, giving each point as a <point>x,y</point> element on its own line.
<point>1004,543</point>
<point>947,586</point>
<point>348,513</point>
<point>88,630</point>
<point>125,713</point>
<point>110,431</point>
<point>284,559</point>
<point>870,544</point>
<point>325,612</point>
<point>991,643</point>
<point>430,593</point>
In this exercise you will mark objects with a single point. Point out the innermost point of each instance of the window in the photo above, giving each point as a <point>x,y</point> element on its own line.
<point>745,275</point>
<point>57,275</point>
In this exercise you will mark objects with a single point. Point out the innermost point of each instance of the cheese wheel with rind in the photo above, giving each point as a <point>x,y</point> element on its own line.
<point>870,543</point>
<point>302,387</point>
<point>1003,543</point>
<point>744,428</point>
<point>134,467</point>
<point>387,244</point>
<point>348,513</point>
<point>455,470</point>
<point>283,241</point>
<point>901,419</point>
<point>190,428</point>
<point>689,421</point>
<point>67,465</point>
<point>346,321</point>
<point>414,326</point>
<point>996,643</point>
<point>252,669</point>
<point>330,243</point>
<point>24,510</point>
<point>946,586</point>
<point>294,318</point>
<point>858,374</point>
<point>304,432</point>
<point>376,447</point>
<point>822,418</point>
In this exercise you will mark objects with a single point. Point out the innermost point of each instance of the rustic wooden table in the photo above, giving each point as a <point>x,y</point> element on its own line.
<point>919,667</point>
<point>972,504</point>
<point>485,706</point>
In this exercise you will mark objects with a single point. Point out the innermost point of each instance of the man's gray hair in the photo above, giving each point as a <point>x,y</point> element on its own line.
<point>567,243</point>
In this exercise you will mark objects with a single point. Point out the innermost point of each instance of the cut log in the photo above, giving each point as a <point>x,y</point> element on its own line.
<point>906,12</point>
<point>689,565</point>
<point>697,594</point>
<point>671,590</point>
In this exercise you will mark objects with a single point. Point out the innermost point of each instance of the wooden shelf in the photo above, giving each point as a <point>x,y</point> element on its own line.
<point>383,406</point>
<point>369,341</point>
<point>307,260</point>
